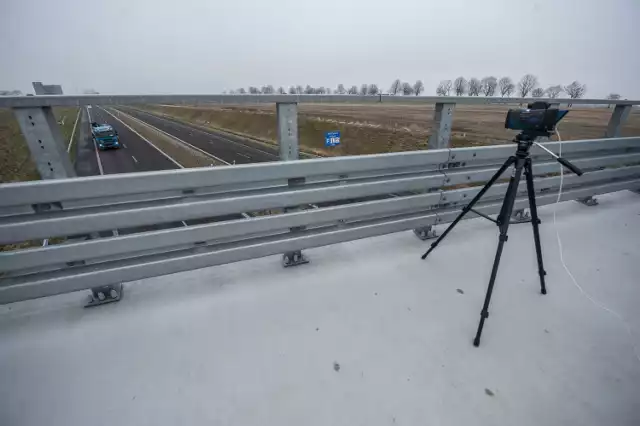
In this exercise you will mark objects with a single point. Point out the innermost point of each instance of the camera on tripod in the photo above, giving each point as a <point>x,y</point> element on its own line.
<point>539,119</point>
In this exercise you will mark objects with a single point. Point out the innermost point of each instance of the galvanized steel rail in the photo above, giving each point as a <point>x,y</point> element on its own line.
<point>430,187</point>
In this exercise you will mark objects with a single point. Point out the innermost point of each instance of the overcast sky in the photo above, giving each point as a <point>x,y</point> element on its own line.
<point>207,46</point>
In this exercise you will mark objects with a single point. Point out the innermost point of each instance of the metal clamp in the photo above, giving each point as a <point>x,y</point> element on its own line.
<point>426,232</point>
<point>104,294</point>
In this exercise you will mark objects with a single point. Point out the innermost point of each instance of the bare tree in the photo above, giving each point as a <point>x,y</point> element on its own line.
<point>554,91</point>
<point>353,90</point>
<point>363,89</point>
<point>341,90</point>
<point>242,91</point>
<point>309,90</point>
<point>575,90</point>
<point>328,90</point>
<point>292,90</point>
<point>418,87</point>
<point>526,84</point>
<point>320,90</point>
<point>474,87</point>
<point>460,86</point>
<point>538,92</point>
<point>441,90</point>
<point>506,86</point>
<point>281,90</point>
<point>299,90</point>
<point>446,87</point>
<point>267,90</point>
<point>395,87</point>
<point>254,90</point>
<point>489,85</point>
<point>373,89</point>
<point>407,89</point>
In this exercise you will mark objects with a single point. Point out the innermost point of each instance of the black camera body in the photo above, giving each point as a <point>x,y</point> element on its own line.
<point>539,119</point>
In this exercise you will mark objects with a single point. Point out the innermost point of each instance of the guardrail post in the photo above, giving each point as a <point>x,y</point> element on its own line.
<point>439,139</point>
<point>287,115</point>
<point>48,150</point>
<point>443,118</point>
<point>618,117</point>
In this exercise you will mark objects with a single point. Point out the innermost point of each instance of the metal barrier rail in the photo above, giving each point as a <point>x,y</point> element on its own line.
<point>79,100</point>
<point>429,188</point>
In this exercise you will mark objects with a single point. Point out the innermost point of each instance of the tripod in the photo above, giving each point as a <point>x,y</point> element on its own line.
<point>522,161</point>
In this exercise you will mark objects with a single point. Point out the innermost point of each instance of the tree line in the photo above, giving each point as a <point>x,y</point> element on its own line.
<point>487,86</point>
<point>364,89</point>
<point>505,87</point>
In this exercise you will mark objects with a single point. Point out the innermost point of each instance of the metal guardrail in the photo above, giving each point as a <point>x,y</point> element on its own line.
<point>352,194</point>
<point>79,100</point>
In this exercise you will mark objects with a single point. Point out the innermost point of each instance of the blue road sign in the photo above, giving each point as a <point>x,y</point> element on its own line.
<point>332,138</point>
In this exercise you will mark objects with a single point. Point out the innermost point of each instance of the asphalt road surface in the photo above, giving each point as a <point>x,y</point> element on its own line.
<point>135,154</point>
<point>233,150</point>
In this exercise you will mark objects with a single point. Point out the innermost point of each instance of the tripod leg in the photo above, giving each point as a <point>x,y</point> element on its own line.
<point>535,222</point>
<point>469,206</point>
<point>507,208</point>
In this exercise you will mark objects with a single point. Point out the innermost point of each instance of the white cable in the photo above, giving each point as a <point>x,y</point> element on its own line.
<point>592,299</point>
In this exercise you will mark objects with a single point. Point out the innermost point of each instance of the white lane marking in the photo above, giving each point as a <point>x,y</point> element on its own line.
<point>242,155</point>
<point>134,159</point>
<point>95,145</point>
<point>124,146</point>
<point>208,154</point>
<point>115,233</point>
<point>73,132</point>
<point>184,223</point>
<point>145,139</point>
<point>246,216</point>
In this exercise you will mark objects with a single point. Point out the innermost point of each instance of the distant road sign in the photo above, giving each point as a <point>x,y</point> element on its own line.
<point>332,138</point>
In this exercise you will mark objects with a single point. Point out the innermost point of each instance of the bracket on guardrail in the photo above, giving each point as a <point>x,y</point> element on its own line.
<point>521,216</point>
<point>104,294</point>
<point>588,201</point>
<point>425,233</point>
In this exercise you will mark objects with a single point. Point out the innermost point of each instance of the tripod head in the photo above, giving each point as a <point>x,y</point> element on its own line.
<point>526,139</point>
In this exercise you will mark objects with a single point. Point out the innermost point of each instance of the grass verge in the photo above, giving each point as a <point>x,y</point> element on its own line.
<point>15,158</point>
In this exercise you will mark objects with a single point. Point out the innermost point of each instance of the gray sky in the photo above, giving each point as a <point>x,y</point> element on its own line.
<point>207,46</point>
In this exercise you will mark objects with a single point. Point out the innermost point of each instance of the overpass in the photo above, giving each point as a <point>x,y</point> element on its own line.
<point>365,331</point>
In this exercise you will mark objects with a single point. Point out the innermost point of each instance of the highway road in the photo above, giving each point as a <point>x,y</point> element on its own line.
<point>232,150</point>
<point>135,155</point>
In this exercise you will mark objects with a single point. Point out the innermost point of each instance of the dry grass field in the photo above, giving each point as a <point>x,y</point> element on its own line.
<point>368,129</point>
